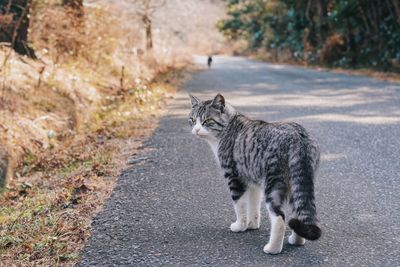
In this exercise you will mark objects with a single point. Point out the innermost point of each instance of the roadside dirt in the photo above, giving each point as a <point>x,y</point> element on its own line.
<point>45,214</point>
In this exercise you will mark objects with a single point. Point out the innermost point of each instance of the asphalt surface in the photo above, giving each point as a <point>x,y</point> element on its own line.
<point>173,208</point>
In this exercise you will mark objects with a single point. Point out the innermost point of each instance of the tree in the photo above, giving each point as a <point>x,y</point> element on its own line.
<point>145,9</point>
<point>14,25</point>
<point>396,6</point>
<point>333,32</point>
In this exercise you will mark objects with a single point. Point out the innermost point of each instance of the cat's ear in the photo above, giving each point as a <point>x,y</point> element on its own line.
<point>195,101</point>
<point>219,102</point>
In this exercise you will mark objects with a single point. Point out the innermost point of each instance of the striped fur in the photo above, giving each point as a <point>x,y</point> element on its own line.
<point>282,158</point>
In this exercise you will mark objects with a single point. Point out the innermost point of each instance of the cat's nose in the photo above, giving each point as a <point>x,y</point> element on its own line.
<point>197,131</point>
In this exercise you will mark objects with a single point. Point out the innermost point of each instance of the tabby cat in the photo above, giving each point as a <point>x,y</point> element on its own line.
<point>274,160</point>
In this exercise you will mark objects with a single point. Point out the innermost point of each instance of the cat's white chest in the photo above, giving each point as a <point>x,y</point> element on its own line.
<point>214,147</point>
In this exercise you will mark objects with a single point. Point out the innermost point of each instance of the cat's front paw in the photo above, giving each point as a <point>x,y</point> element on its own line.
<point>254,224</point>
<point>272,248</point>
<point>296,240</point>
<point>238,227</point>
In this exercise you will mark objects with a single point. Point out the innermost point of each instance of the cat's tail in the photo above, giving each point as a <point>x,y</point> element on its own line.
<point>302,166</point>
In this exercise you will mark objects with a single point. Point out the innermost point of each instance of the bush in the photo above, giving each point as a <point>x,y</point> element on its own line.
<point>346,33</point>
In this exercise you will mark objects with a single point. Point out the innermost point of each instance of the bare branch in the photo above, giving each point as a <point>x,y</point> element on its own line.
<point>148,7</point>
<point>160,4</point>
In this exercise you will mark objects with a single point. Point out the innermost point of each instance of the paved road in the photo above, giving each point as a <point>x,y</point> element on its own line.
<point>174,208</point>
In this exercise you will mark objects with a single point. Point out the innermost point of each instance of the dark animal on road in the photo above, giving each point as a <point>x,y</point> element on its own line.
<point>209,61</point>
<point>276,160</point>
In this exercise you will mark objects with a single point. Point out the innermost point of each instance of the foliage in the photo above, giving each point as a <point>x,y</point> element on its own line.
<point>348,33</point>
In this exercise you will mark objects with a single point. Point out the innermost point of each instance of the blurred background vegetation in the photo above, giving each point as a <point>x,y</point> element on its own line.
<point>338,33</point>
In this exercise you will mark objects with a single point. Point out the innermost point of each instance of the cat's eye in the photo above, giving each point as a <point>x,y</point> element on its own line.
<point>208,121</point>
<point>191,120</point>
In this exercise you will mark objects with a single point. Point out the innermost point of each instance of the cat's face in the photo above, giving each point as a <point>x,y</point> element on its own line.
<point>208,118</point>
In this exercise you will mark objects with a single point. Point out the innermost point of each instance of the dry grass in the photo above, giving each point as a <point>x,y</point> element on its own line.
<point>83,65</point>
<point>69,121</point>
<point>380,75</point>
<point>385,76</point>
<point>46,212</point>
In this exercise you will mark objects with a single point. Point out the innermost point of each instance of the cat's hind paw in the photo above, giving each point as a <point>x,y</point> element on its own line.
<point>272,248</point>
<point>296,240</point>
<point>238,227</point>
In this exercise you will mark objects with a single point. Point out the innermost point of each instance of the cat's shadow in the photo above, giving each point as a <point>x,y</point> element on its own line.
<point>255,240</point>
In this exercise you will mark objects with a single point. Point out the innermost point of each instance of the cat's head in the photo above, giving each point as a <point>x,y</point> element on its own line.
<point>209,118</point>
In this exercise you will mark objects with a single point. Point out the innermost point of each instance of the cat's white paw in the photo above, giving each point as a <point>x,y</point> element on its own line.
<point>296,240</point>
<point>238,227</point>
<point>272,248</point>
<point>254,224</point>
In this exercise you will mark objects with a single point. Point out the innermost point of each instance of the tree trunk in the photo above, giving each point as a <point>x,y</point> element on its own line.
<point>14,25</point>
<point>3,167</point>
<point>396,5</point>
<point>149,36</point>
<point>322,12</point>
<point>351,49</point>
<point>364,17</point>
